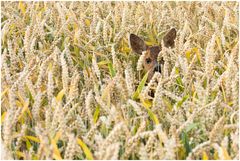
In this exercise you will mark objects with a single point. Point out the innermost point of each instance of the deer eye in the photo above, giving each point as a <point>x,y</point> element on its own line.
<point>148,60</point>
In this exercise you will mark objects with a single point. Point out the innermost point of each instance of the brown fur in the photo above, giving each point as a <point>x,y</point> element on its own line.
<point>150,60</point>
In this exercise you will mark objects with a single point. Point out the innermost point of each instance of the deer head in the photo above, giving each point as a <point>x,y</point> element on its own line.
<point>150,59</point>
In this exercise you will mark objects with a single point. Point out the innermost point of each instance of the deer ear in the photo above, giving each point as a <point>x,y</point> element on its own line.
<point>169,38</point>
<point>137,44</point>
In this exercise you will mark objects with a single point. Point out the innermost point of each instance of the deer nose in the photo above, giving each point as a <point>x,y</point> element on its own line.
<point>157,68</point>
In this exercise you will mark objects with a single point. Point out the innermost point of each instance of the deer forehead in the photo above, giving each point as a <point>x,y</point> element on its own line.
<point>152,52</point>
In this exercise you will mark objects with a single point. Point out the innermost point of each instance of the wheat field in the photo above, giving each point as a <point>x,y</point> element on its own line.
<point>72,88</point>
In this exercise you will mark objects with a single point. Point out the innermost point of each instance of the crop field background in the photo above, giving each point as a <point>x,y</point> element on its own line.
<point>72,88</point>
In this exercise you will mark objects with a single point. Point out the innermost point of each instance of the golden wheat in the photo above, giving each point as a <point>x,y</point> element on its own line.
<point>72,88</point>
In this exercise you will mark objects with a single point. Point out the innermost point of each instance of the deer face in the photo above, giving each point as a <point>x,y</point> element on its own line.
<point>150,59</point>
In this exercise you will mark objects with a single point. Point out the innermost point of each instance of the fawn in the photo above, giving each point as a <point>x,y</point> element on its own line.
<point>150,60</point>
